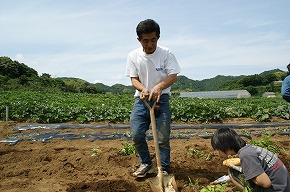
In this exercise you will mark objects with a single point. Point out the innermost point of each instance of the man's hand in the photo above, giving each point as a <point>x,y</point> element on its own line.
<point>155,94</point>
<point>144,95</point>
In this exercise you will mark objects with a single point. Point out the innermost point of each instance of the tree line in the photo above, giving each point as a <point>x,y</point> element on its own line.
<point>18,76</point>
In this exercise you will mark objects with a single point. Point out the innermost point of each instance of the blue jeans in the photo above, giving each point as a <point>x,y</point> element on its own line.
<point>140,121</point>
<point>240,178</point>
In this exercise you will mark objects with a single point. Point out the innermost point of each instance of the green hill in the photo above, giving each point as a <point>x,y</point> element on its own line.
<point>18,76</point>
<point>213,84</point>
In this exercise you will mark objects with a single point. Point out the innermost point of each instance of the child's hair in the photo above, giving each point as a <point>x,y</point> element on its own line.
<point>225,139</point>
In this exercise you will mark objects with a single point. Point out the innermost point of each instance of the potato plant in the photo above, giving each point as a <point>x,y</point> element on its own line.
<point>127,149</point>
<point>217,188</point>
<point>44,107</point>
<point>267,143</point>
<point>96,152</point>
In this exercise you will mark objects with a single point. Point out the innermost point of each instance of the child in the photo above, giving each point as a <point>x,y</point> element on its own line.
<point>262,169</point>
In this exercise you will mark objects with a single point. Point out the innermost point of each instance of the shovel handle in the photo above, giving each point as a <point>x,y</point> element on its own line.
<point>156,144</point>
<point>148,106</point>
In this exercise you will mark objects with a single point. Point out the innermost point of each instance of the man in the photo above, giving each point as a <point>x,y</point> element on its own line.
<point>152,69</point>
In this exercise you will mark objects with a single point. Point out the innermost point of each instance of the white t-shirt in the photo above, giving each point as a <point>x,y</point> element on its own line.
<point>151,68</point>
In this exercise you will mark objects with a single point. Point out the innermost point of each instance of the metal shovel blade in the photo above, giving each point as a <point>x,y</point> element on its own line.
<point>168,182</point>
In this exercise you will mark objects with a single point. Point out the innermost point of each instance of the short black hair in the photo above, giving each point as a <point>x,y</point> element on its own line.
<point>147,26</point>
<point>225,139</point>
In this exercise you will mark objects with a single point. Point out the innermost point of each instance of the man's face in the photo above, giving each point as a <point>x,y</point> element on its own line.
<point>149,42</point>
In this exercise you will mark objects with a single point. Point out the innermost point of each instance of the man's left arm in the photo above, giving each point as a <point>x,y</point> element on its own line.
<point>157,89</point>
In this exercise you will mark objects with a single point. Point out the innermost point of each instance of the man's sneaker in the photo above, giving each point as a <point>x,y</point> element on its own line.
<point>143,170</point>
<point>166,171</point>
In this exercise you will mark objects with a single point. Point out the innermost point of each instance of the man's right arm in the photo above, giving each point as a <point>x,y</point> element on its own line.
<point>140,87</point>
<point>137,84</point>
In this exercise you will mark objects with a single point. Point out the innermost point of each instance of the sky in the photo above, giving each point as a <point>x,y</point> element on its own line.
<point>90,39</point>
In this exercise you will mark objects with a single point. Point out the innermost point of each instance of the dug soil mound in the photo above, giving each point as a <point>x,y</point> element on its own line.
<point>86,161</point>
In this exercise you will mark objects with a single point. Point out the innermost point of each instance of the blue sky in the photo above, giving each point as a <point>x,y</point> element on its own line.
<point>90,39</point>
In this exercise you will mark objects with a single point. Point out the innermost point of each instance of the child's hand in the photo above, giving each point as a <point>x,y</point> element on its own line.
<point>233,156</point>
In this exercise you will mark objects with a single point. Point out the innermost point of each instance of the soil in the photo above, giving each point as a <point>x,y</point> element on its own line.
<point>73,165</point>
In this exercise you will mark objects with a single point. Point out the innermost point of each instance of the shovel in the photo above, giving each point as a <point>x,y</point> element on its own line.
<point>161,183</point>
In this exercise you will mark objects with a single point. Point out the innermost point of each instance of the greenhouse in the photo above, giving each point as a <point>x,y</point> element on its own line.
<point>217,94</point>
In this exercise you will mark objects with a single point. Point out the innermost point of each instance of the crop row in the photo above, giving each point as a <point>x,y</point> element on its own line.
<point>64,107</point>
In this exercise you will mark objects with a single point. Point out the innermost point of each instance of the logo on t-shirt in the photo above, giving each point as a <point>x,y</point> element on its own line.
<point>159,69</point>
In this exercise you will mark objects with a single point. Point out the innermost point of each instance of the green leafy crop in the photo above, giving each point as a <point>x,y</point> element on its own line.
<point>267,143</point>
<point>127,149</point>
<point>217,188</point>
<point>44,107</point>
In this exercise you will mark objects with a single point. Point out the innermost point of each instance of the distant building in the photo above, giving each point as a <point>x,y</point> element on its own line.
<point>269,94</point>
<point>217,94</point>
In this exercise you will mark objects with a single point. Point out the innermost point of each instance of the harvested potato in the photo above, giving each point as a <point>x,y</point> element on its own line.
<point>232,161</point>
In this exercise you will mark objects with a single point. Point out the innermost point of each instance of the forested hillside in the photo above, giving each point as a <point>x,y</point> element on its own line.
<point>18,76</point>
<point>214,84</point>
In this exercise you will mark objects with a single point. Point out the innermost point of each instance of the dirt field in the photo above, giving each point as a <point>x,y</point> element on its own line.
<point>70,163</point>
